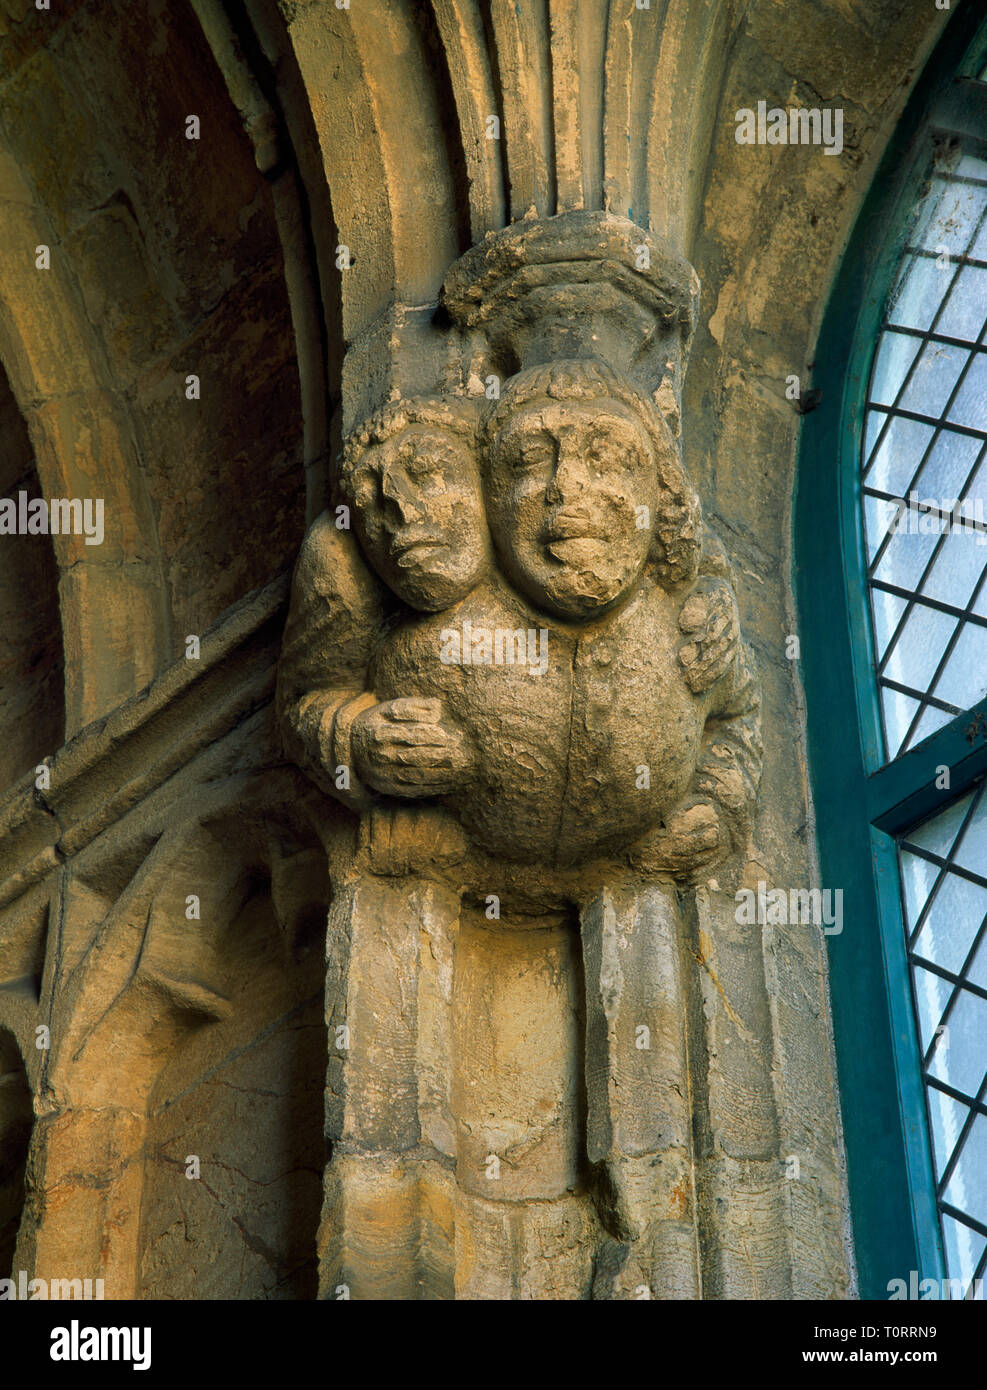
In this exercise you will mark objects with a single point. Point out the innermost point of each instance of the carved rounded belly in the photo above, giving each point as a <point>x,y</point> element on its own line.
<point>574,761</point>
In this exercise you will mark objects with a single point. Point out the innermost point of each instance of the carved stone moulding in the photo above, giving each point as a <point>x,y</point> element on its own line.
<point>577,286</point>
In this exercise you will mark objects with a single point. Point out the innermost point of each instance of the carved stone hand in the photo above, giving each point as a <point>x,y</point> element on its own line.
<point>689,842</point>
<point>408,748</point>
<point>710,621</point>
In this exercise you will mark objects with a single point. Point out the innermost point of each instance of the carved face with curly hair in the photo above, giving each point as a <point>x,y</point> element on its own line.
<point>584,487</point>
<point>411,478</point>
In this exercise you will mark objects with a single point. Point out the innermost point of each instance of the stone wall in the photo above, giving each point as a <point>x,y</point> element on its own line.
<point>292,258</point>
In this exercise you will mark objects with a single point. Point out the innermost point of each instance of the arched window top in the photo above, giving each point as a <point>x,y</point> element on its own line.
<point>924,461</point>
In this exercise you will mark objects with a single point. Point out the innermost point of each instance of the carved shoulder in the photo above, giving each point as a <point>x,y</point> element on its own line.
<point>337,608</point>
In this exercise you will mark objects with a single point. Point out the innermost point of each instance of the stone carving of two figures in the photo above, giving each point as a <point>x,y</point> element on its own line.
<point>522,663</point>
<point>514,651</point>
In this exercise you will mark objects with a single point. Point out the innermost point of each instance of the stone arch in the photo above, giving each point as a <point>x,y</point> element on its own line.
<point>32,709</point>
<point>157,272</point>
<point>244,1096</point>
<point>218,1004</point>
<point>16,1119</point>
<point>46,345</point>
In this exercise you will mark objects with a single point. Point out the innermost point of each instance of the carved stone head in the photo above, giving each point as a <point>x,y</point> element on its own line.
<point>584,487</point>
<point>411,478</point>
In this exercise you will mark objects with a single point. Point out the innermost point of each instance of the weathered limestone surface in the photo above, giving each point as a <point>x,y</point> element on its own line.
<point>566,692</point>
<point>174,1031</point>
<point>166,261</point>
<point>319,259</point>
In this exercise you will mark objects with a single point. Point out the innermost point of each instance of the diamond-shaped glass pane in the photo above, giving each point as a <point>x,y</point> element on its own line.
<point>888,611</point>
<point>948,1118</point>
<point>957,569</point>
<point>969,406</point>
<point>934,379</point>
<point>952,922</point>
<point>893,449</point>
<point>919,296</point>
<point>963,312</point>
<point>939,834</point>
<point>899,712</point>
<point>964,1250</point>
<point>950,216</point>
<point>964,678</point>
<point>907,553</point>
<point>931,996</point>
<point>966,1189</point>
<point>948,466</point>
<point>879,516</point>
<point>971,850</point>
<point>962,1063</point>
<point>919,877</point>
<point>894,359</point>
<point>932,719</point>
<point>920,647</point>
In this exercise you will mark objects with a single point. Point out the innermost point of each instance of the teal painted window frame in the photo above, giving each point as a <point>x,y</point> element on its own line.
<point>862,805</point>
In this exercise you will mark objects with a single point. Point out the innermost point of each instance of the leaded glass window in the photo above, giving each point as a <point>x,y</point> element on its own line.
<point>925,464</point>
<point>924,498</point>
<point>944,892</point>
<point>891,574</point>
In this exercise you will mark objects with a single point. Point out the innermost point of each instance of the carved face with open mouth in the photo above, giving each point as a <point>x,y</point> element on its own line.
<point>568,484</point>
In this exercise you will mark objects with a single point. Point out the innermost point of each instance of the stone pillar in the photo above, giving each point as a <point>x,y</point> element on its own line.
<point>639,1090</point>
<point>387,1221</point>
<point>521,668</point>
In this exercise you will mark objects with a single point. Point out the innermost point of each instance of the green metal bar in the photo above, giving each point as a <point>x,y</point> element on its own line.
<point>912,787</point>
